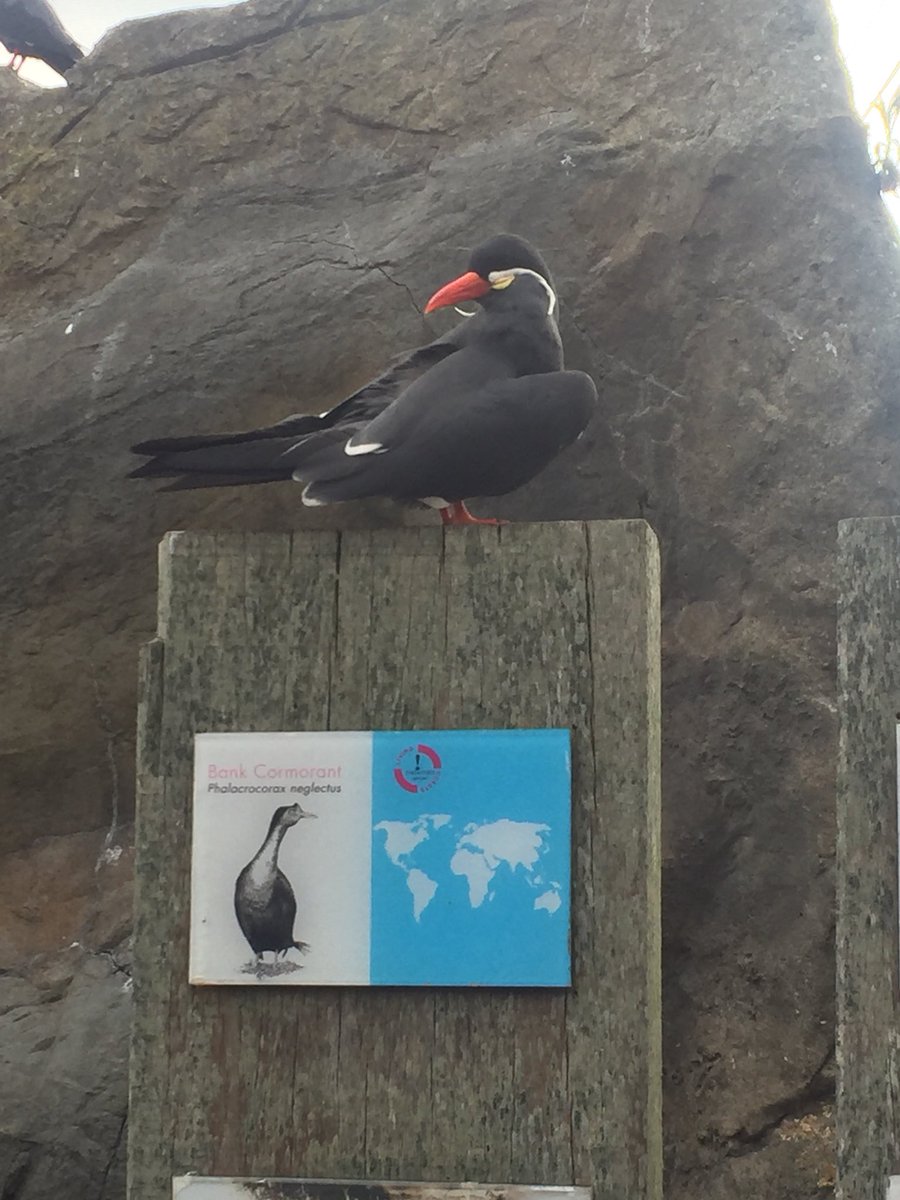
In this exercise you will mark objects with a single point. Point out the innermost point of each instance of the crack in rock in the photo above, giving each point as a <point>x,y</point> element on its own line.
<point>817,1089</point>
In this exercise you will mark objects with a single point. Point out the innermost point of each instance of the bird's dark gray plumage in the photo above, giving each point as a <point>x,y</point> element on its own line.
<point>31,29</point>
<point>477,412</point>
<point>264,901</point>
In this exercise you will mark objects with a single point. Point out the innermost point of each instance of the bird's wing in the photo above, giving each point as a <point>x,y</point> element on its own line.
<point>482,442</point>
<point>374,397</point>
<point>258,455</point>
<point>442,387</point>
<point>246,929</point>
<point>282,906</point>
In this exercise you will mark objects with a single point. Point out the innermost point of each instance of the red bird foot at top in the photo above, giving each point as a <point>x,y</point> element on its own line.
<point>458,514</point>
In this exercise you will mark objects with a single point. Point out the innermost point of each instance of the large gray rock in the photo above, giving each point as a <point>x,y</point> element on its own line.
<point>232,215</point>
<point>64,1011</point>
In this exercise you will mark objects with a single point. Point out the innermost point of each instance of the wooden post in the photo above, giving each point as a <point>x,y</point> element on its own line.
<point>530,625</point>
<point>868,1093</point>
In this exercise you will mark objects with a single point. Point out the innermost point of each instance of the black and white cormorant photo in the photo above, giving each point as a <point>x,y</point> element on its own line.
<point>264,901</point>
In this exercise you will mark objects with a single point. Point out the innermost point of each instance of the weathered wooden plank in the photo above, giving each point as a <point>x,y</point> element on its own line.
<point>411,628</point>
<point>868,1104</point>
<point>618,926</point>
<point>148,1103</point>
<point>388,655</point>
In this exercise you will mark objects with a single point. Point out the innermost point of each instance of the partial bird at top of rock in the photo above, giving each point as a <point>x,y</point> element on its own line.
<point>31,29</point>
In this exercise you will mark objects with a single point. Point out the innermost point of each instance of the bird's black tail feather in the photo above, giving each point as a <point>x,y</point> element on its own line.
<point>291,427</point>
<point>212,462</point>
<point>193,483</point>
<point>265,455</point>
<point>62,59</point>
<point>225,459</point>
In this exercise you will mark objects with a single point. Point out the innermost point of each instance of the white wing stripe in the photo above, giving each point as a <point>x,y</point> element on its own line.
<point>364,448</point>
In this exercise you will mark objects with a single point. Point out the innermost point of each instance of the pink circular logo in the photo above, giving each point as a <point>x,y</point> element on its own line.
<point>417,768</point>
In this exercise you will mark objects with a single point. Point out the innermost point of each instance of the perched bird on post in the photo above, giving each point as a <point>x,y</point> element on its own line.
<point>31,29</point>
<point>478,412</point>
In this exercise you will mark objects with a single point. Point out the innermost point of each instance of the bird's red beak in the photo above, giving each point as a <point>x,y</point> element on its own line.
<point>468,287</point>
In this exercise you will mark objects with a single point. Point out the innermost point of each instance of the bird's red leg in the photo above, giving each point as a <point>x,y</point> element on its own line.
<point>17,66</point>
<point>458,514</point>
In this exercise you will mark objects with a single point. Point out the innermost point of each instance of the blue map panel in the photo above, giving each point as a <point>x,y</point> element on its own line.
<point>471,849</point>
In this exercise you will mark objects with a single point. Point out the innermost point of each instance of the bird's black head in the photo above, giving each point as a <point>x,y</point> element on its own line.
<point>493,267</point>
<point>506,252</point>
<point>287,815</point>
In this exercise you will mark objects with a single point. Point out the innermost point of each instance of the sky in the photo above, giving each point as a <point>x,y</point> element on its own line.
<point>869,38</point>
<point>868,35</point>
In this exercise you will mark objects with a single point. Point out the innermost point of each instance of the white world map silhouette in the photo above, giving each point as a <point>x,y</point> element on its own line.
<point>485,856</point>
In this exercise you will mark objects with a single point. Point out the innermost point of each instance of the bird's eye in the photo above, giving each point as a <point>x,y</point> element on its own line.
<point>500,279</point>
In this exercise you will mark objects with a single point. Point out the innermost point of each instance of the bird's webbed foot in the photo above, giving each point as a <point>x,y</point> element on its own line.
<point>458,514</point>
